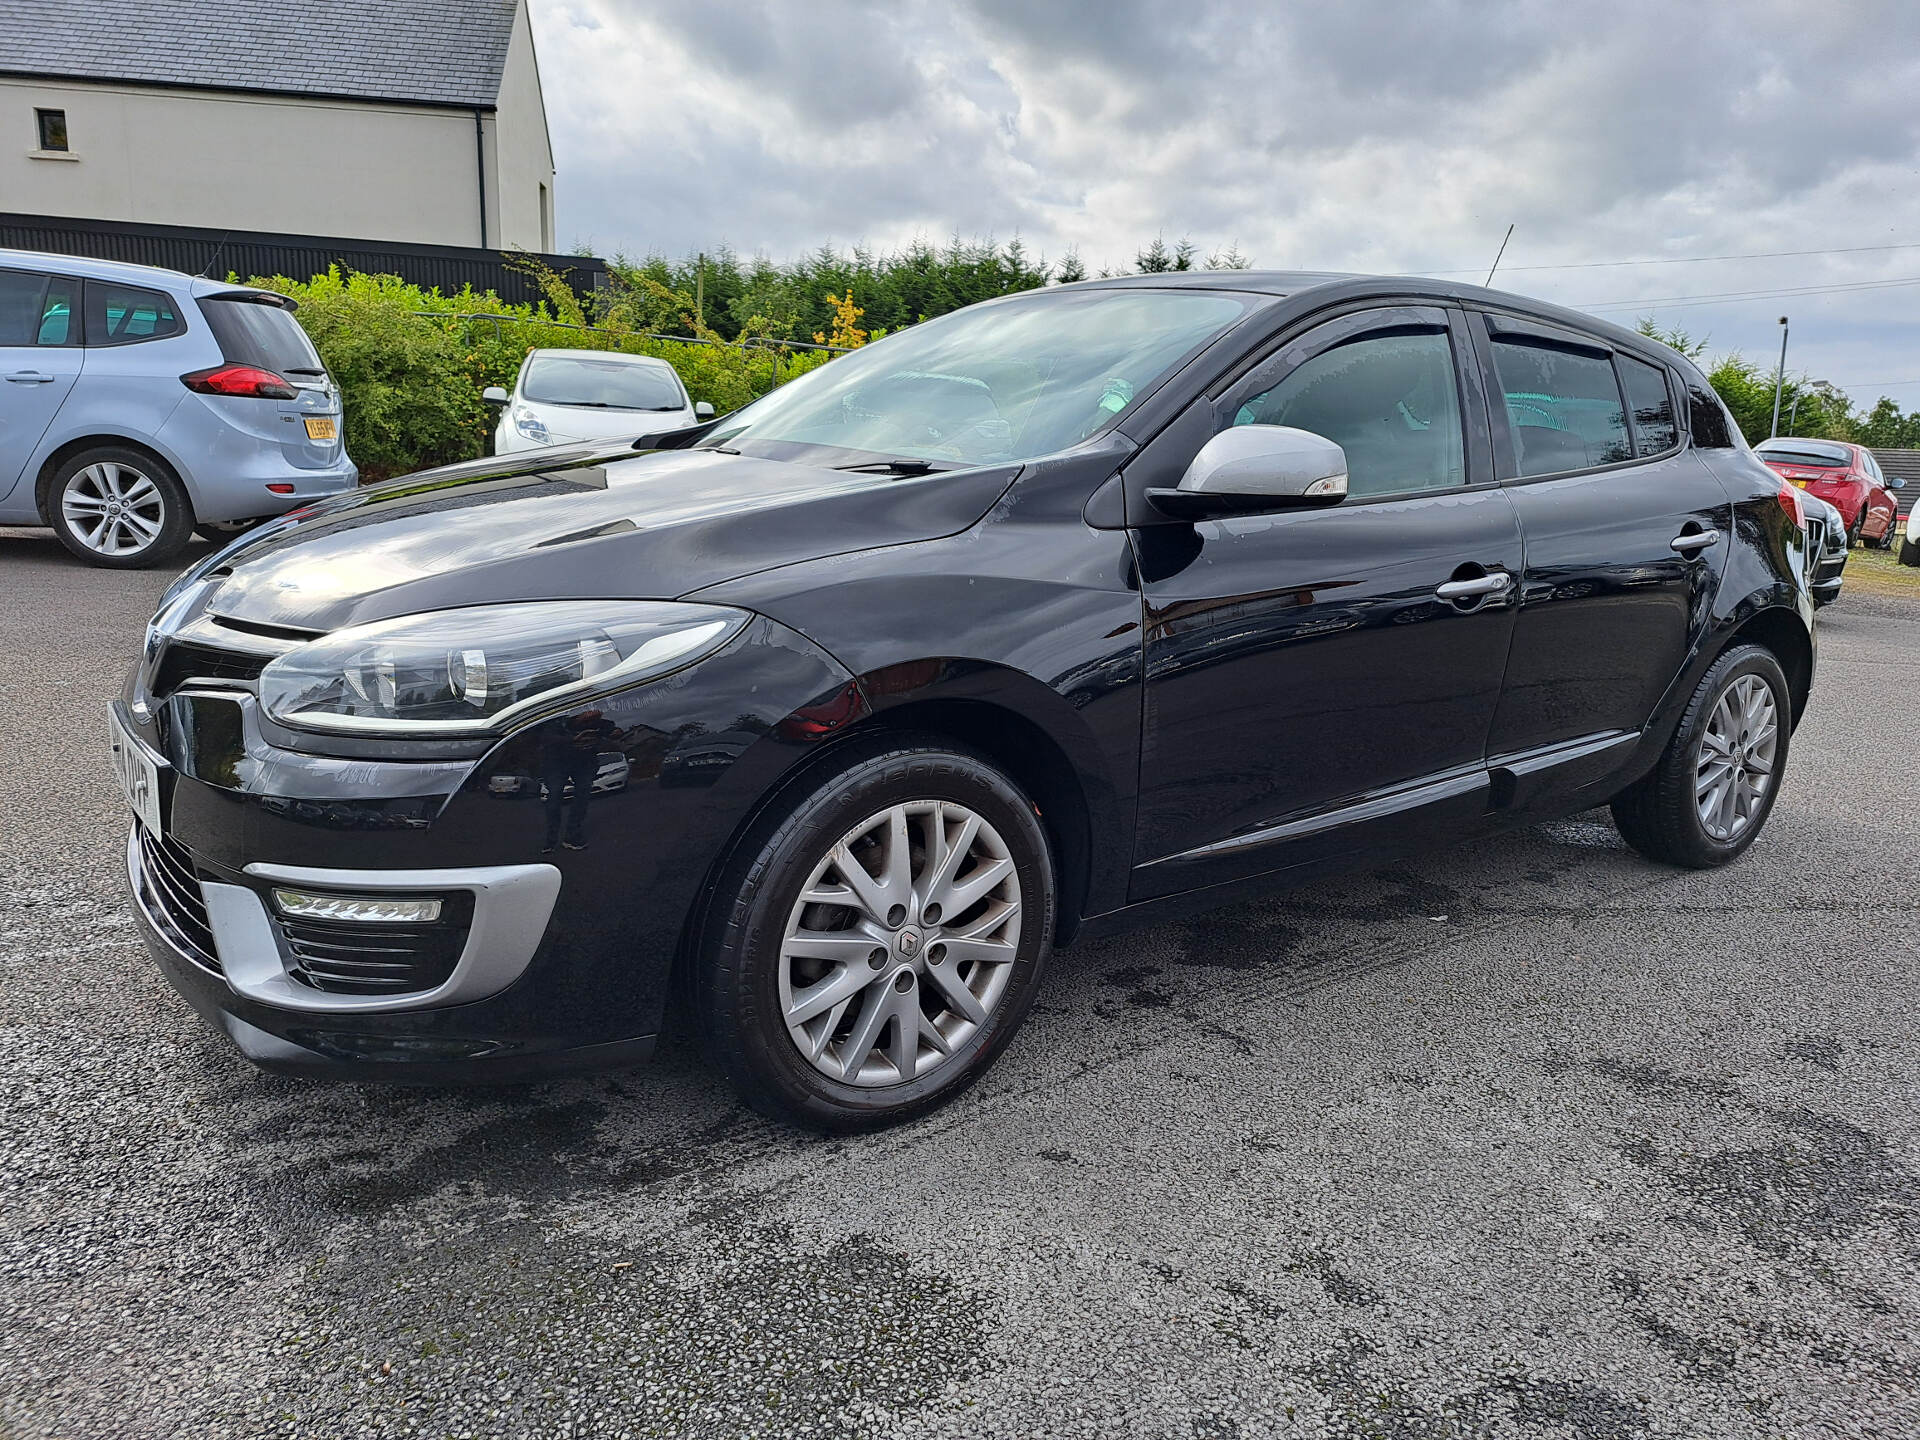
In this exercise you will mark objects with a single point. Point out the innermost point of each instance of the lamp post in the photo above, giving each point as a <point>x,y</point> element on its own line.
<point>1780,375</point>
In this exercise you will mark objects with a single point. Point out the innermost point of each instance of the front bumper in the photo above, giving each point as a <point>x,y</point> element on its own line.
<point>307,1040</point>
<point>567,956</point>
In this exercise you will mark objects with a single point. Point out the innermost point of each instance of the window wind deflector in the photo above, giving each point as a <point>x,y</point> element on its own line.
<point>1514,328</point>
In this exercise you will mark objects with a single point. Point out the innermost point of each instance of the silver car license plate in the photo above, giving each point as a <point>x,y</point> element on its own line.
<point>138,771</point>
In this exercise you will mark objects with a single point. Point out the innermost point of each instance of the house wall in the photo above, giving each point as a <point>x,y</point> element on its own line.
<point>522,154</point>
<point>260,162</point>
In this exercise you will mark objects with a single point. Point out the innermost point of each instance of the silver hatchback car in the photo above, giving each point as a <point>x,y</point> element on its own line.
<point>138,404</point>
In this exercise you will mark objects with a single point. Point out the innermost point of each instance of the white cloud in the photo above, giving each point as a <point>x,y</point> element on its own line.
<point>1370,135</point>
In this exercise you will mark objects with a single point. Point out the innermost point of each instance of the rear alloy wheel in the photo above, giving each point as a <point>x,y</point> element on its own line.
<point>119,508</point>
<point>1715,785</point>
<point>884,944</point>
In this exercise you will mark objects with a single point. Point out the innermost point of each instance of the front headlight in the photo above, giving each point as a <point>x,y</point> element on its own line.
<point>529,425</point>
<point>468,671</point>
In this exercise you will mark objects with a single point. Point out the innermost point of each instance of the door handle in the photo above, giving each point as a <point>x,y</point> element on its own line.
<point>30,377</point>
<point>1492,584</point>
<point>1699,540</point>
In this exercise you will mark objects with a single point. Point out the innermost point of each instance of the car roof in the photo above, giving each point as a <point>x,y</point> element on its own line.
<point>154,275</point>
<point>653,360</point>
<point>1331,287</point>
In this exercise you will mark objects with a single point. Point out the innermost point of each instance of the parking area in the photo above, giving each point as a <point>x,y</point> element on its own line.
<point>1529,1139</point>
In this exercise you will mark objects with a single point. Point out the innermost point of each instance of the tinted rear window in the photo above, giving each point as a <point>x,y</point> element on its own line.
<point>1807,452</point>
<point>256,332</point>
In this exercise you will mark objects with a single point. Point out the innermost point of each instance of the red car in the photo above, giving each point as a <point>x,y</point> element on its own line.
<point>1845,476</point>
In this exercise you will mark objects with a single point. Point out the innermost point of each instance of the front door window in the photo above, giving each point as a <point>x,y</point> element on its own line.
<point>1388,400</point>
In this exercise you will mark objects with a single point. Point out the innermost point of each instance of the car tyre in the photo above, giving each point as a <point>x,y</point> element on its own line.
<point>1853,531</point>
<point>1909,552</point>
<point>1710,795</point>
<point>221,531</point>
<point>788,988</point>
<point>120,508</point>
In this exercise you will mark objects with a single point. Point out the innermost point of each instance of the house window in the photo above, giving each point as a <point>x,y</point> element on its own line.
<point>52,125</point>
<point>546,221</point>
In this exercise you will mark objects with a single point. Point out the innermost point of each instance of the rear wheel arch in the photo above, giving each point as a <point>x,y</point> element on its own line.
<point>1784,633</point>
<point>50,467</point>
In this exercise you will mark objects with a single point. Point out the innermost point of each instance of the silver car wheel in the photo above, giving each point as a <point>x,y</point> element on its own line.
<point>901,944</point>
<point>113,509</point>
<point>1736,761</point>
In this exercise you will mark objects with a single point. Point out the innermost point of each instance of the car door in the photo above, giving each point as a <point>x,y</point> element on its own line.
<point>1882,507</point>
<point>1311,693</point>
<point>1627,533</point>
<point>40,358</point>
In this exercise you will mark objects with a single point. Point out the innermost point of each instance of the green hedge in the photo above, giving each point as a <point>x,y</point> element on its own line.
<point>411,370</point>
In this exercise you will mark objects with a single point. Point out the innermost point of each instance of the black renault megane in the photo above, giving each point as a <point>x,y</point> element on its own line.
<point>1052,615</point>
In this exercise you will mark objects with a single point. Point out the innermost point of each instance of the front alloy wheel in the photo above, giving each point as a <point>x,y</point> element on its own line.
<point>877,941</point>
<point>901,944</point>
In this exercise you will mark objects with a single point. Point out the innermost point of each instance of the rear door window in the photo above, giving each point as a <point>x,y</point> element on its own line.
<point>1390,401</point>
<point>1655,431</point>
<point>128,314</point>
<point>258,332</point>
<point>1563,407</point>
<point>38,309</point>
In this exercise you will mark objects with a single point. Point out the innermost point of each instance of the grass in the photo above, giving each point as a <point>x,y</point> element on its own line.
<point>1877,572</point>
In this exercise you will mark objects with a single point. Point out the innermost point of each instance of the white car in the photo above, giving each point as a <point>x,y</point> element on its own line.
<point>563,397</point>
<point>1910,547</point>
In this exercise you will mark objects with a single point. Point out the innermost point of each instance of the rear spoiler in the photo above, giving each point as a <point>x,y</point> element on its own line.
<point>255,297</point>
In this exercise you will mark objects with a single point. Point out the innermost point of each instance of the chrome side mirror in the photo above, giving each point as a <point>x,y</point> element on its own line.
<point>494,395</point>
<point>703,411</point>
<point>1249,469</point>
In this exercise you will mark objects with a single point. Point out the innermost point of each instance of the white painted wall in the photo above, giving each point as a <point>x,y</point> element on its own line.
<point>522,153</point>
<point>244,162</point>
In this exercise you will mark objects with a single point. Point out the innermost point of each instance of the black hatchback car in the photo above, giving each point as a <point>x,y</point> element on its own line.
<point>1038,619</point>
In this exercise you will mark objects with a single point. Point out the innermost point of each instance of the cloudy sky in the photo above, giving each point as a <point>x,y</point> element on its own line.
<point>1353,135</point>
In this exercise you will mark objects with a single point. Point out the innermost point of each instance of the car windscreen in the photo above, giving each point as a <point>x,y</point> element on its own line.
<point>1807,452</point>
<point>992,384</point>
<point>258,332</point>
<point>601,384</point>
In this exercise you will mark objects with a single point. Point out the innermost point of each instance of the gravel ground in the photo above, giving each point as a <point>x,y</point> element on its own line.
<point>1532,1139</point>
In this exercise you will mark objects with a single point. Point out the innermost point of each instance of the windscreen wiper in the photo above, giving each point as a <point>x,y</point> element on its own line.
<point>894,467</point>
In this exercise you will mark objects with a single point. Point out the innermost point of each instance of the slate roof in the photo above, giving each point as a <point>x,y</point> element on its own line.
<point>423,52</point>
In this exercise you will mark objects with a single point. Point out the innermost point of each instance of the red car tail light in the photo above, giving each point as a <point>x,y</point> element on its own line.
<point>248,380</point>
<point>1790,502</point>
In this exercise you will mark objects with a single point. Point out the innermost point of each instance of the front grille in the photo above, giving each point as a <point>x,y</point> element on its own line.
<point>174,897</point>
<point>378,959</point>
<point>183,661</point>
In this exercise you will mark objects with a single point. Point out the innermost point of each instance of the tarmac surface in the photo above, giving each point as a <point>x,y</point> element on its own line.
<point>1529,1139</point>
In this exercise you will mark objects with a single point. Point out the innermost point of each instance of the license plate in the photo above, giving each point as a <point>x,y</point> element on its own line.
<point>320,427</point>
<point>137,771</point>
<point>1802,483</point>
